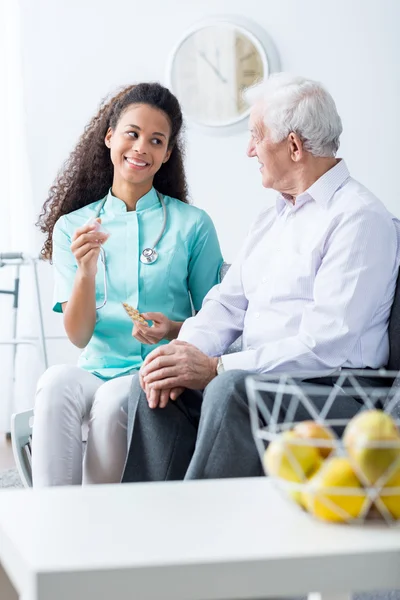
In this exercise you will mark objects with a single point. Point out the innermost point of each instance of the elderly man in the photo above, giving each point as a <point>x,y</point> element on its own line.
<point>310,291</point>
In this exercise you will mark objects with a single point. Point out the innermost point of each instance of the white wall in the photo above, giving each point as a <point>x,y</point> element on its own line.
<point>76,51</point>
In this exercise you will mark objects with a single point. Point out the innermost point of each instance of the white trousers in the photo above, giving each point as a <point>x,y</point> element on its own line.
<point>67,395</point>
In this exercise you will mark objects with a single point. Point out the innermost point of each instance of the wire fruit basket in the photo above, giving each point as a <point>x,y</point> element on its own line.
<point>343,470</point>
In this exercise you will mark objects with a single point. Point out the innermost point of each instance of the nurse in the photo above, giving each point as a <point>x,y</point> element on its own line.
<point>126,171</point>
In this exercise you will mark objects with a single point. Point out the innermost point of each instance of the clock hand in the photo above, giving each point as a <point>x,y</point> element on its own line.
<point>218,74</point>
<point>217,58</point>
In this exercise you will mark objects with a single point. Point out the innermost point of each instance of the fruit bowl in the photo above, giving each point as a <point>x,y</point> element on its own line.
<point>338,469</point>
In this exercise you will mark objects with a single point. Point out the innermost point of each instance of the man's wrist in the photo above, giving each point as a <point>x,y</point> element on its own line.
<point>213,363</point>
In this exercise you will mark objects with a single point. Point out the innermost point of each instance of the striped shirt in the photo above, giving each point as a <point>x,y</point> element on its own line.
<point>312,288</point>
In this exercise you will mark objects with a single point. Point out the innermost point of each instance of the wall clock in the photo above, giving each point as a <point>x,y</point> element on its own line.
<point>211,66</point>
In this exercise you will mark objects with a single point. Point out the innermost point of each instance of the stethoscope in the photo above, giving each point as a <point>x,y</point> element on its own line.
<point>148,255</point>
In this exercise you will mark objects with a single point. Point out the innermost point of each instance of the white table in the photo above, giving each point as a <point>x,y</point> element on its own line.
<point>201,540</point>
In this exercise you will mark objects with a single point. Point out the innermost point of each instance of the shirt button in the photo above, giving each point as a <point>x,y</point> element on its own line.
<point>264,280</point>
<point>257,315</point>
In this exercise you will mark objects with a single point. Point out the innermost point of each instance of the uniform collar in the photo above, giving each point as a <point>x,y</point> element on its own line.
<point>116,206</point>
<point>321,191</point>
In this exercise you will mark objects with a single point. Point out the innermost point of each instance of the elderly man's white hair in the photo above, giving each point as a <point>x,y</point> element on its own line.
<point>294,104</point>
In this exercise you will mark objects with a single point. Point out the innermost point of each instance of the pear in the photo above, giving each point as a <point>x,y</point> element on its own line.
<point>320,498</point>
<point>360,439</point>
<point>316,431</point>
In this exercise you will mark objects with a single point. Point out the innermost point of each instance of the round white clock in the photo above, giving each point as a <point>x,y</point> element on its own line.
<point>212,65</point>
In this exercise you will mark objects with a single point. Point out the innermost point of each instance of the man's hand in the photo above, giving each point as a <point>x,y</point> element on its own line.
<point>159,398</point>
<point>176,365</point>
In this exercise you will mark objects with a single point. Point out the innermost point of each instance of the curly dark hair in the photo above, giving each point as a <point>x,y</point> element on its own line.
<point>87,174</point>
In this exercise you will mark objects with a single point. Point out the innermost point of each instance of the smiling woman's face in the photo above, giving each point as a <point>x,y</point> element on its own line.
<point>139,144</point>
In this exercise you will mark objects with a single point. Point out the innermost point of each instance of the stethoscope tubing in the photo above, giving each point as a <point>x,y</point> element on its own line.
<point>151,249</point>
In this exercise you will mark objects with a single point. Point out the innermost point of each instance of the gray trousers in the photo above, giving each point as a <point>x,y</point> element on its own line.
<point>203,435</point>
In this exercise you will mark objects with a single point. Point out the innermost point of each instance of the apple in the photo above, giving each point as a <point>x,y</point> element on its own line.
<point>321,498</point>
<point>389,499</point>
<point>316,431</point>
<point>291,461</point>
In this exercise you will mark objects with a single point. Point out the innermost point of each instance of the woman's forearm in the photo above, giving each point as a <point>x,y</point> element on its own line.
<point>80,311</point>
<point>174,330</point>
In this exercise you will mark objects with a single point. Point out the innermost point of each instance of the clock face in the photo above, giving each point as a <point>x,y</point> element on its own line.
<point>210,70</point>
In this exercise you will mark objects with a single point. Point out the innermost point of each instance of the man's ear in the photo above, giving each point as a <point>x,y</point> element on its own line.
<point>107,139</point>
<point>295,146</point>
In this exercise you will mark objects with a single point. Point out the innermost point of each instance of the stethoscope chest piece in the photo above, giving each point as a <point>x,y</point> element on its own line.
<point>148,256</point>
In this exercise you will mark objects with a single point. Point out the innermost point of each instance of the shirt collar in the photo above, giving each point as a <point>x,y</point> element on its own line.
<point>321,190</point>
<point>117,206</point>
<point>330,182</point>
